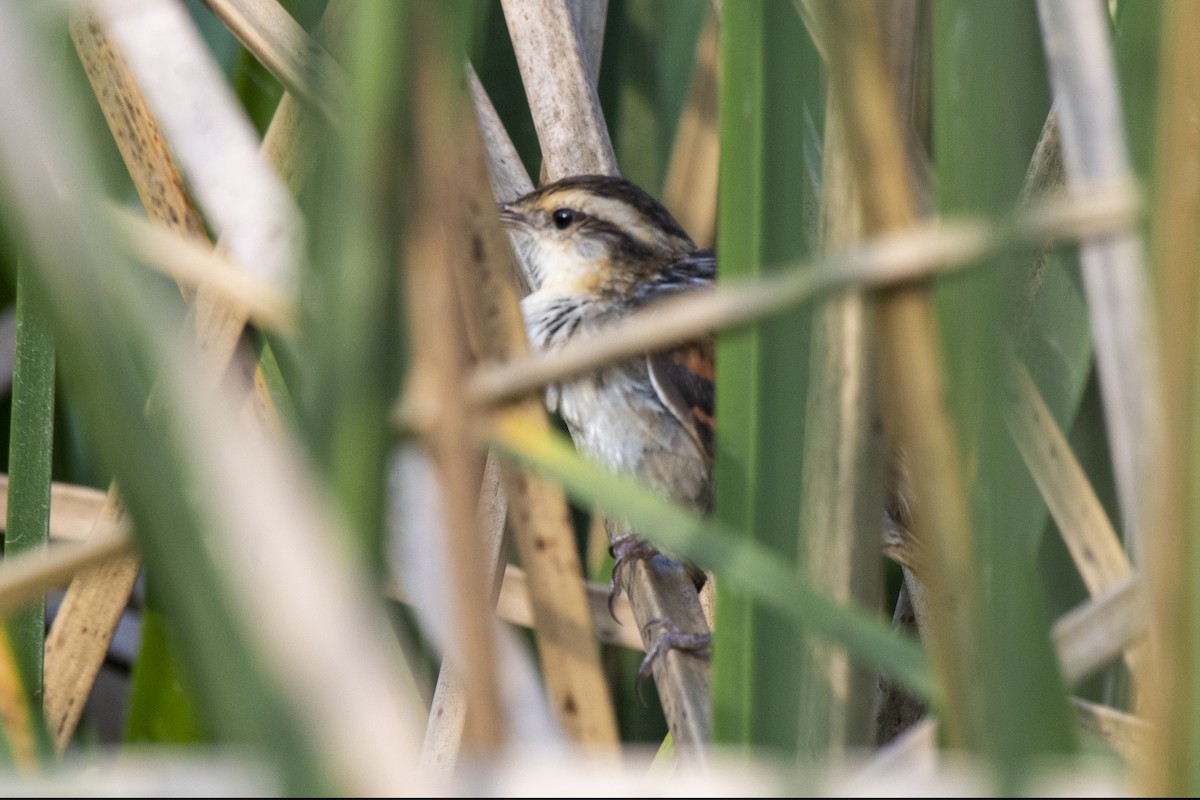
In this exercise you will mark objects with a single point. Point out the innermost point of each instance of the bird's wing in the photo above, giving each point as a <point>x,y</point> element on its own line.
<point>683,377</point>
<point>697,270</point>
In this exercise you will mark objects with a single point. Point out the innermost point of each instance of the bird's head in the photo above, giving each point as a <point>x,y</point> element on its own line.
<point>594,234</point>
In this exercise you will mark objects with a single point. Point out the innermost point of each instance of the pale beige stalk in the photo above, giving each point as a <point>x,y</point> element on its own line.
<point>434,245</point>
<point>842,489</point>
<point>73,509</point>
<point>448,709</point>
<point>1077,511</point>
<point>1094,633</point>
<point>566,111</point>
<point>1087,103</point>
<point>1169,549</point>
<point>538,511</point>
<point>266,29</point>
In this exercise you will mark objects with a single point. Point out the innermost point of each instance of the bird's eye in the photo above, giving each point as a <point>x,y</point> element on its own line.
<point>563,217</point>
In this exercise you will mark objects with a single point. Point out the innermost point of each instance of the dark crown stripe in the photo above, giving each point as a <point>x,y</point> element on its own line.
<point>622,191</point>
<point>623,246</point>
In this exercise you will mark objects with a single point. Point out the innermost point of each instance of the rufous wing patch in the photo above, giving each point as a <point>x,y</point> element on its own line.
<point>683,379</point>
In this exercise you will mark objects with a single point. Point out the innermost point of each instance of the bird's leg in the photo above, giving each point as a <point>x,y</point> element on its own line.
<point>625,548</point>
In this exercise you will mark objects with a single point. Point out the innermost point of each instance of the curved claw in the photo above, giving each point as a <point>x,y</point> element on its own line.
<point>624,549</point>
<point>671,638</point>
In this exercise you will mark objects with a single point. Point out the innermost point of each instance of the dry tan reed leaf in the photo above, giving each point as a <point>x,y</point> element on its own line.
<point>537,509</point>
<point>515,606</point>
<point>79,637</point>
<point>1087,103</point>
<point>73,509</point>
<point>198,266</point>
<point>266,29</point>
<point>89,613</point>
<point>1125,733</point>
<point>448,709</point>
<point>508,177</point>
<point>1077,511</point>
<point>25,577</point>
<point>214,142</point>
<point>617,627</point>
<point>441,353</point>
<point>1094,633</point>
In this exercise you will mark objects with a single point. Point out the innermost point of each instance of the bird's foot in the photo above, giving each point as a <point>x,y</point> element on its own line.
<point>625,549</point>
<point>670,638</point>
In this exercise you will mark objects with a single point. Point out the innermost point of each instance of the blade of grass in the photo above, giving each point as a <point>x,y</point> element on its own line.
<point>30,444</point>
<point>912,370</point>
<point>352,346</point>
<point>741,121</point>
<point>162,710</point>
<point>1020,691</point>
<point>770,92</point>
<point>739,564</point>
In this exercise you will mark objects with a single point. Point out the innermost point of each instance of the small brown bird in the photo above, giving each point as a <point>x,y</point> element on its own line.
<point>602,248</point>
